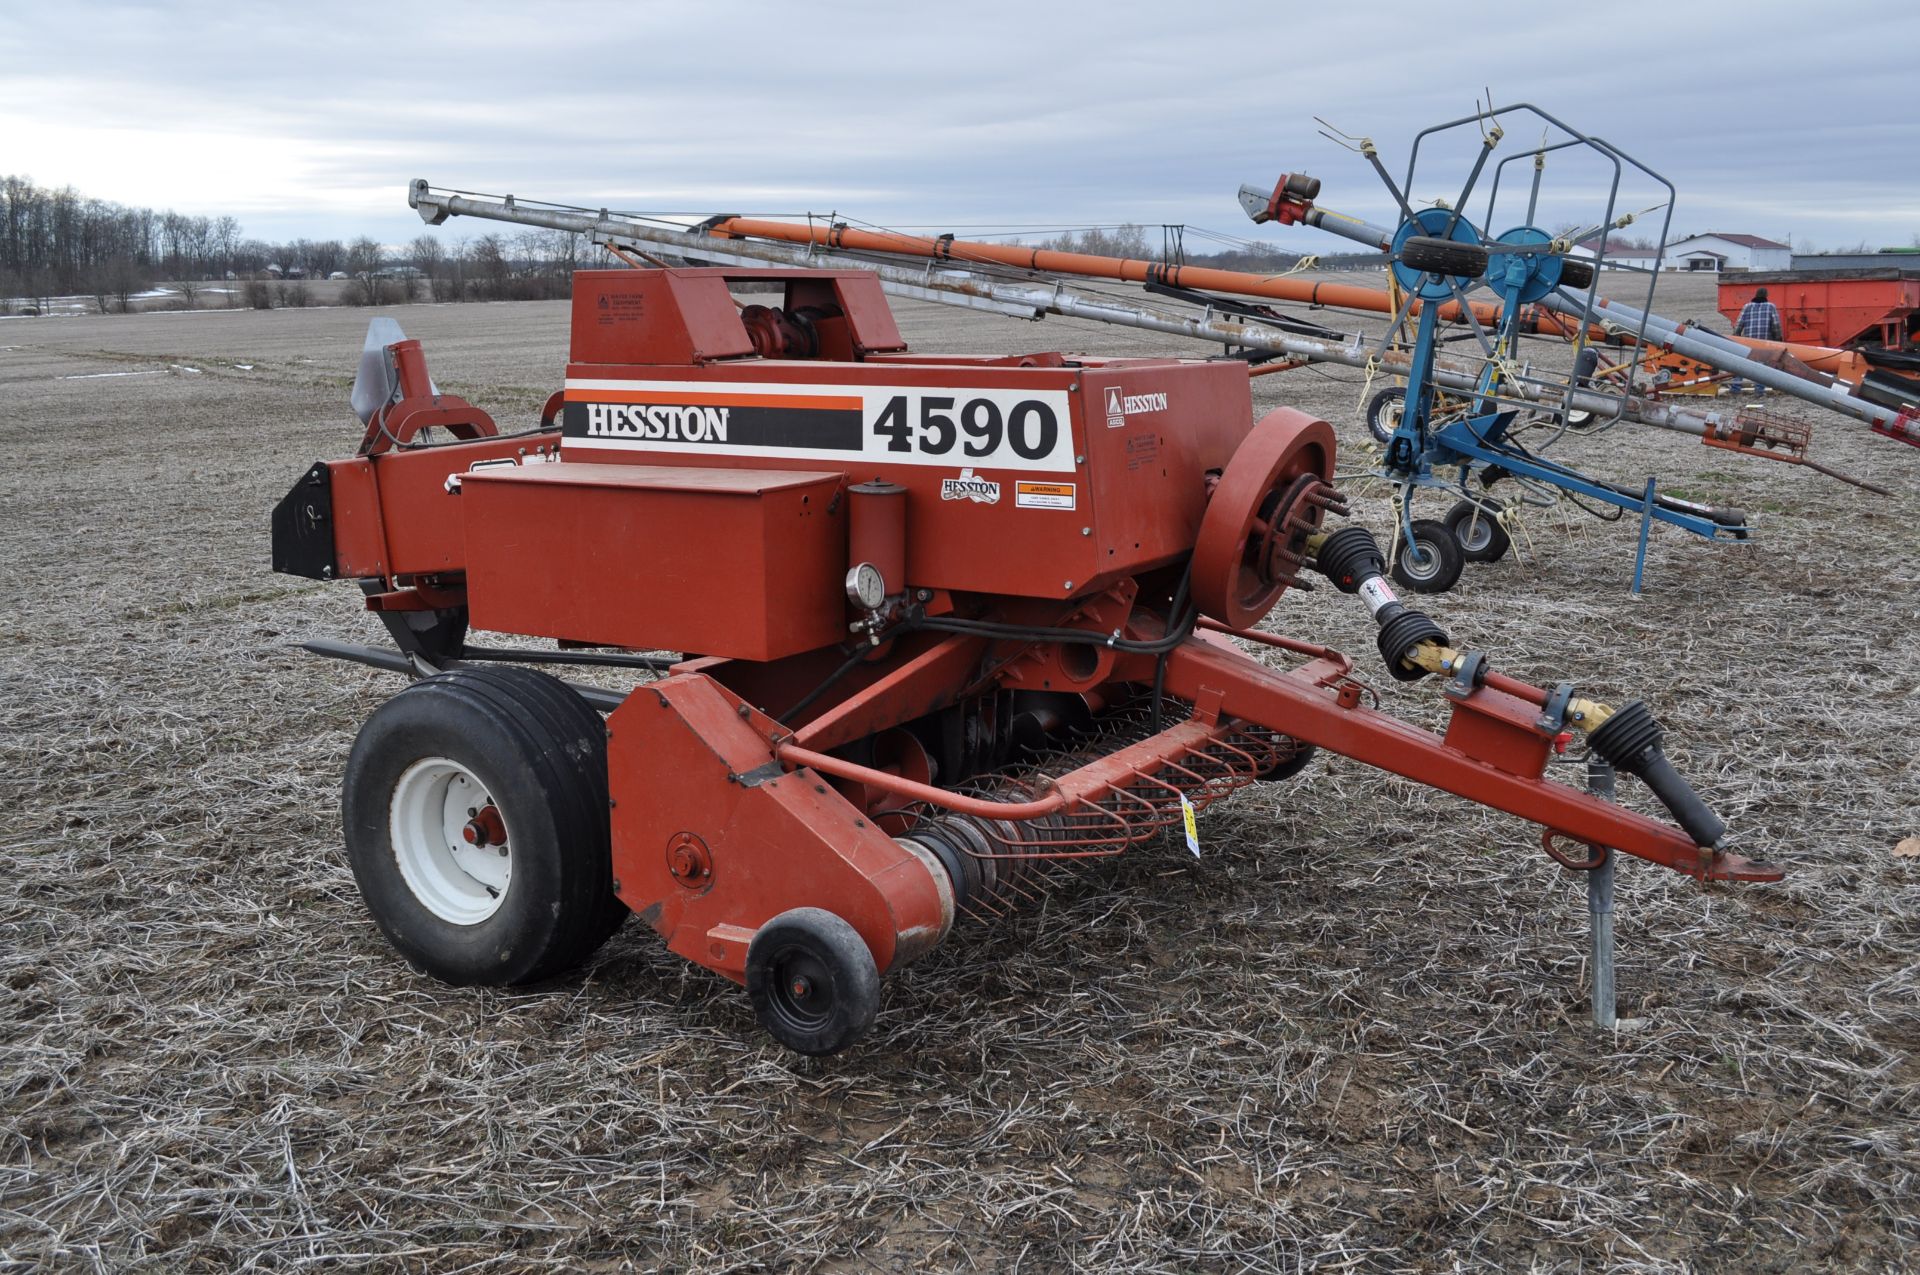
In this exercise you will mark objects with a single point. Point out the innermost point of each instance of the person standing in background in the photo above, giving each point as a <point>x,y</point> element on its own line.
<point>1759,321</point>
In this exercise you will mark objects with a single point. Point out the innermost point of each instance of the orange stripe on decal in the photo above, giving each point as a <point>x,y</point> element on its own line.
<point>822,402</point>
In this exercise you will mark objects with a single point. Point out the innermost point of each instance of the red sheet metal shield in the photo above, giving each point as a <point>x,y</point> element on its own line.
<point>1239,571</point>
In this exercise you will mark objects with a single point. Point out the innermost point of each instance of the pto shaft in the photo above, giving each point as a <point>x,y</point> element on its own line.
<point>1414,646</point>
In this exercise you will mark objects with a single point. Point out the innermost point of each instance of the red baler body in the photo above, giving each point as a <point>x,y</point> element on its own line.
<point>702,496</point>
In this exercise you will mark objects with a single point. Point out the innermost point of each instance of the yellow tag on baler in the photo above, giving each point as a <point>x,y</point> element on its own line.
<point>1193,832</point>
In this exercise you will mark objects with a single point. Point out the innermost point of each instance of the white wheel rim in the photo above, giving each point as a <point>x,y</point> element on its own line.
<point>429,821</point>
<point>1479,531</point>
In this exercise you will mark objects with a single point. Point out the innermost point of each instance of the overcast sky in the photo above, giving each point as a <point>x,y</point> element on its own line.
<point>309,119</point>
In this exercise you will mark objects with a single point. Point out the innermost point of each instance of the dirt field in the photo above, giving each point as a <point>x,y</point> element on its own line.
<point>1351,1036</point>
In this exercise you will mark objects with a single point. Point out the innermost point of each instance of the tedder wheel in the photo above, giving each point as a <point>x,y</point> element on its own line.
<point>1478,531</point>
<point>1576,274</point>
<point>1439,561</point>
<point>1383,413</point>
<point>475,806</point>
<point>812,981</point>
<point>1444,256</point>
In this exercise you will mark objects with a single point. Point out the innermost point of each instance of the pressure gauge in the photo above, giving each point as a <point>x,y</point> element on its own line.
<point>865,587</point>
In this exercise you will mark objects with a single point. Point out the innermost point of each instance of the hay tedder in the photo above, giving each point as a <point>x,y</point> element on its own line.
<point>924,631</point>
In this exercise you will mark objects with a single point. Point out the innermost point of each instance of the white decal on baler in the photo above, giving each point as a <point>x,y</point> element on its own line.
<point>636,420</point>
<point>1120,406</point>
<point>1025,430</point>
<point>969,487</point>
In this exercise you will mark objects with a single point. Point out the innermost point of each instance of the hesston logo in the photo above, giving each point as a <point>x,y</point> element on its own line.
<point>654,421</point>
<point>1120,406</point>
<point>966,487</point>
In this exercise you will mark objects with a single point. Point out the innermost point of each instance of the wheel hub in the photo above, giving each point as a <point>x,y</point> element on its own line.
<point>450,841</point>
<point>485,828</point>
<point>803,991</point>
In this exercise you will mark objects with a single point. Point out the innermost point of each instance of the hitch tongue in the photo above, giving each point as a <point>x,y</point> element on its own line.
<point>1413,646</point>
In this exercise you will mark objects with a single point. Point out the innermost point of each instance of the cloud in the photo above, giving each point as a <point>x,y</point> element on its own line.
<point>312,119</point>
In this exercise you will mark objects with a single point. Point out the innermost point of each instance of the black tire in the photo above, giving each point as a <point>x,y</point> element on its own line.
<point>1444,256</point>
<point>1576,274</point>
<point>539,753</point>
<point>1584,367</point>
<point>1440,561</point>
<point>812,981</point>
<point>1477,530</point>
<point>1383,413</point>
<point>1303,755</point>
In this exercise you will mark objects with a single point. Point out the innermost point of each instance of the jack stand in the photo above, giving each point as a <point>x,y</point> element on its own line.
<point>1640,557</point>
<point>1600,905</point>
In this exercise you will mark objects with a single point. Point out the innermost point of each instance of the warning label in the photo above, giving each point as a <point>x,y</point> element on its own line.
<point>1044,496</point>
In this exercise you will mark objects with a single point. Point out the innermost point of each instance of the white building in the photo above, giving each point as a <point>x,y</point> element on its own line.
<point>1716,251</point>
<point>1713,251</point>
<point>1617,253</point>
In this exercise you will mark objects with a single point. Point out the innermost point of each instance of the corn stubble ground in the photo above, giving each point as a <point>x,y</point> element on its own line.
<point>1351,1035</point>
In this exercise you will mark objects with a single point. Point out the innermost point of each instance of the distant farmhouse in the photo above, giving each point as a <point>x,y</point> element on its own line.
<point>1719,251</point>
<point>1715,251</point>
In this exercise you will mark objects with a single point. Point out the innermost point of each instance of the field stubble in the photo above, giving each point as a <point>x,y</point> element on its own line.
<point>1351,1035</point>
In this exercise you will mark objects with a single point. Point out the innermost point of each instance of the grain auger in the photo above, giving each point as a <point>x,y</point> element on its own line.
<point>910,636</point>
<point>1483,415</point>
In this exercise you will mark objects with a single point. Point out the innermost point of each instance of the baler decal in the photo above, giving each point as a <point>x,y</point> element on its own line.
<point>730,426</point>
<point>987,428</point>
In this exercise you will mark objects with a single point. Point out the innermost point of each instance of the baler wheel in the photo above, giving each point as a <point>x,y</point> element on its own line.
<point>1301,757</point>
<point>812,981</point>
<point>475,811</point>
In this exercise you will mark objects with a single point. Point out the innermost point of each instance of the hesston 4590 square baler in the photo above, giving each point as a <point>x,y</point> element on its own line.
<point>939,626</point>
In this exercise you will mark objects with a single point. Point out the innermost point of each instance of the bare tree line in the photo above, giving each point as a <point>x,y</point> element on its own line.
<point>59,243</point>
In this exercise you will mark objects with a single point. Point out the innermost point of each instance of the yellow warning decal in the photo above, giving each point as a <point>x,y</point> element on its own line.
<point>1193,832</point>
